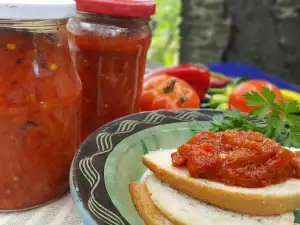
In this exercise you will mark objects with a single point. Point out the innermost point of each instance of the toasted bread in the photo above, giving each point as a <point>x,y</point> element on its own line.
<point>267,201</point>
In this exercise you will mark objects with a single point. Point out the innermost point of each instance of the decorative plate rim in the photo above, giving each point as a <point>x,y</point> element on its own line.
<point>85,210</point>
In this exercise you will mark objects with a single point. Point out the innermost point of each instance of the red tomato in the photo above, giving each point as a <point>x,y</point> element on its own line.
<point>196,76</point>
<point>167,92</point>
<point>237,99</point>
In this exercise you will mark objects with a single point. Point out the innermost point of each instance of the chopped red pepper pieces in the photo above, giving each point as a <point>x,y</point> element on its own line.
<point>39,118</point>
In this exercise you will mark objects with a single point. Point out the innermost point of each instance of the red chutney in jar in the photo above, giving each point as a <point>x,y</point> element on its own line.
<point>109,46</point>
<point>237,158</point>
<point>40,97</point>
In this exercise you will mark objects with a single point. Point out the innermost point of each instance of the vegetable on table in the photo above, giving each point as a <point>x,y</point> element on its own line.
<point>219,80</point>
<point>197,77</point>
<point>281,124</point>
<point>237,100</point>
<point>218,97</point>
<point>290,95</point>
<point>167,92</point>
<point>217,101</point>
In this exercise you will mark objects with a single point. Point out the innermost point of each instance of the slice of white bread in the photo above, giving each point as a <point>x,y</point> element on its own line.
<point>184,210</point>
<point>267,201</point>
<point>145,207</point>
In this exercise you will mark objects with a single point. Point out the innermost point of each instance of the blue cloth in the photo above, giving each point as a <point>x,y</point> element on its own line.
<point>240,70</point>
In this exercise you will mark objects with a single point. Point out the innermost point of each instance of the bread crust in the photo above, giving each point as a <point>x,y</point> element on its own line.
<point>251,204</point>
<point>145,206</point>
<point>169,216</point>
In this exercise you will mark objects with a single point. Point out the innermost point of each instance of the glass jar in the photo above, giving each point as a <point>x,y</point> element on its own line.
<point>40,100</point>
<point>109,41</point>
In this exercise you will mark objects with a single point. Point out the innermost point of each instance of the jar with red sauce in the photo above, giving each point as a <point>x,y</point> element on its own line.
<point>109,41</point>
<point>40,101</point>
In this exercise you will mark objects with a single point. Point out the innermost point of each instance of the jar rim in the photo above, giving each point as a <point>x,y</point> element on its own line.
<point>123,8</point>
<point>98,16</point>
<point>37,9</point>
<point>34,26</point>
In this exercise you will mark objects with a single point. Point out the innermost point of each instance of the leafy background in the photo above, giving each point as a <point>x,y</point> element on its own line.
<point>166,37</point>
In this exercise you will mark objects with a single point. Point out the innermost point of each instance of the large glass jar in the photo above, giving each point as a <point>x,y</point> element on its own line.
<point>109,41</point>
<point>40,99</point>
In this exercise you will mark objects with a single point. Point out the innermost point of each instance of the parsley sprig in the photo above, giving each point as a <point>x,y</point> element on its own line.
<point>277,120</point>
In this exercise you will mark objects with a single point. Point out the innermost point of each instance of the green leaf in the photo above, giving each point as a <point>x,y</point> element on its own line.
<point>293,140</point>
<point>234,113</point>
<point>292,120</point>
<point>287,141</point>
<point>260,112</point>
<point>254,99</point>
<point>275,112</point>
<point>278,126</point>
<point>289,107</point>
<point>295,129</point>
<point>268,95</point>
<point>250,126</point>
<point>218,119</point>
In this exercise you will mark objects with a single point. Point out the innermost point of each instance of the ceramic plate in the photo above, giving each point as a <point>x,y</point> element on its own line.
<point>110,159</point>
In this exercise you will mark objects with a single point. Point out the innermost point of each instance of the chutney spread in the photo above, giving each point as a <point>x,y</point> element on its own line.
<point>110,57</point>
<point>237,158</point>
<point>39,117</point>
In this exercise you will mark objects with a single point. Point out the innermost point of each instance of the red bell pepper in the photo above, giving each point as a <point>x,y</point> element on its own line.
<point>198,77</point>
<point>218,80</point>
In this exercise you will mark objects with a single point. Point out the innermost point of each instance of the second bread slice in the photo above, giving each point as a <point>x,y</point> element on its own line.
<point>184,210</point>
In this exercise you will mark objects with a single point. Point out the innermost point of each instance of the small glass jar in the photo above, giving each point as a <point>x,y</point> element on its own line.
<point>40,100</point>
<point>109,41</point>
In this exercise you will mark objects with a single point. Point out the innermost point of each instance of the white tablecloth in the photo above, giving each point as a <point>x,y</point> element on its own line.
<point>59,212</point>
